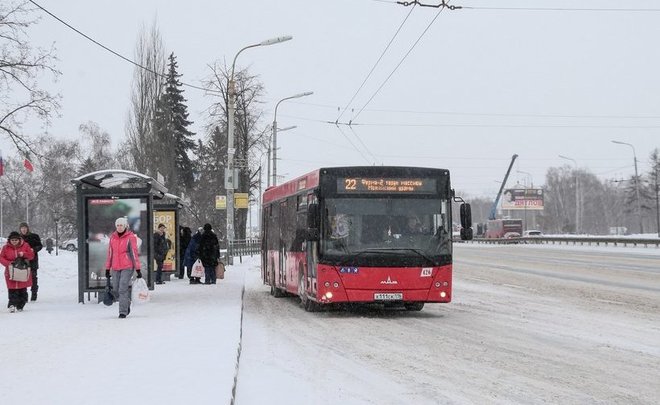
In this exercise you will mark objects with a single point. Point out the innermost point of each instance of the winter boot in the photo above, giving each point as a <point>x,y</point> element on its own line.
<point>12,309</point>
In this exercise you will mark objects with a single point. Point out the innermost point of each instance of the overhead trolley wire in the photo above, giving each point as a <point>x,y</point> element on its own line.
<point>375,64</point>
<point>351,142</point>
<point>399,64</point>
<point>112,51</point>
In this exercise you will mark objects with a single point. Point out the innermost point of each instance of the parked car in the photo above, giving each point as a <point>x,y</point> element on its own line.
<point>70,245</point>
<point>532,232</point>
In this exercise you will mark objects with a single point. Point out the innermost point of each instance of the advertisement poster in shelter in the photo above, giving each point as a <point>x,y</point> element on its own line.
<point>167,218</point>
<point>101,216</point>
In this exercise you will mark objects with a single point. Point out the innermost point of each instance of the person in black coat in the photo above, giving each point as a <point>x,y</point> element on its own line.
<point>160,251</point>
<point>185,234</point>
<point>209,253</point>
<point>34,241</point>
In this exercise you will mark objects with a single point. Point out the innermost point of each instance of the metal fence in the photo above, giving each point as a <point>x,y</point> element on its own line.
<point>244,247</point>
<point>570,240</point>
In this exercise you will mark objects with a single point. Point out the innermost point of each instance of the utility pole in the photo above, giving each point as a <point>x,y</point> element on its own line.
<point>639,201</point>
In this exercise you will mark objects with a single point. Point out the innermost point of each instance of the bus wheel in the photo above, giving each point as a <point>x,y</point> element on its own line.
<point>414,306</point>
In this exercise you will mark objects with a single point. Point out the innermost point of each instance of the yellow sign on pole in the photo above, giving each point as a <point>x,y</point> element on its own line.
<point>220,202</point>
<point>241,200</point>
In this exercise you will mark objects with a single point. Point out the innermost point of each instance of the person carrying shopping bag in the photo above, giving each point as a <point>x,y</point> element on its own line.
<point>122,260</point>
<point>16,248</point>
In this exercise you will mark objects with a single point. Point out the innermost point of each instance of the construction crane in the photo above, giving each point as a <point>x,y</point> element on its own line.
<point>493,209</point>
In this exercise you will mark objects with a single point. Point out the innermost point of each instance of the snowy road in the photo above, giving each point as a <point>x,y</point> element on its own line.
<point>527,325</point>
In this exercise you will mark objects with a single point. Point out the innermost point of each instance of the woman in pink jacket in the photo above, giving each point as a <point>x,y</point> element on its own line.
<point>16,247</point>
<point>122,260</point>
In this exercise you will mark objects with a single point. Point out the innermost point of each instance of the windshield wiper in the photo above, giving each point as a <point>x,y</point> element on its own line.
<point>417,251</point>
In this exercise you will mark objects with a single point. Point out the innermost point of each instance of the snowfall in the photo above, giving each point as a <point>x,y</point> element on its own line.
<point>182,347</point>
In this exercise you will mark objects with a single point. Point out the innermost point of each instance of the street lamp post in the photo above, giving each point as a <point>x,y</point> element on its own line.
<point>231,90</point>
<point>270,140</point>
<point>525,198</point>
<point>577,194</point>
<point>308,93</point>
<point>639,202</point>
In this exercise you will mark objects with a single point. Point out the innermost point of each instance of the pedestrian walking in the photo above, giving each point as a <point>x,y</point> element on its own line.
<point>185,233</point>
<point>34,241</point>
<point>122,261</point>
<point>192,255</point>
<point>49,245</point>
<point>15,248</point>
<point>161,247</point>
<point>209,253</point>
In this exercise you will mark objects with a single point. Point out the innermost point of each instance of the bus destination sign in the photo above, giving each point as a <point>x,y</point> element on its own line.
<point>386,185</point>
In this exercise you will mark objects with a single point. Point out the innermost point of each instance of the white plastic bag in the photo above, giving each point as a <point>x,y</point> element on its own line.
<point>197,269</point>
<point>140,294</point>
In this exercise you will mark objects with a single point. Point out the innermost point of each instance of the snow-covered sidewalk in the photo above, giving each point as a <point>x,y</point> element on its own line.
<point>179,348</point>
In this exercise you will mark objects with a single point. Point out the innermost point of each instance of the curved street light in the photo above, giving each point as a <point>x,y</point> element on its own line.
<point>305,94</point>
<point>639,202</point>
<point>231,90</point>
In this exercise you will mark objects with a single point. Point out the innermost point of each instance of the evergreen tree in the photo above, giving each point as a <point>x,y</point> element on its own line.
<point>172,135</point>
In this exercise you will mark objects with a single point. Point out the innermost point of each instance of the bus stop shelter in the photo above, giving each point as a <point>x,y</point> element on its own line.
<point>102,197</point>
<point>166,212</point>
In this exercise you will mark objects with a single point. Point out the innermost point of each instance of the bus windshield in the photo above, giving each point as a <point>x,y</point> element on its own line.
<point>383,231</point>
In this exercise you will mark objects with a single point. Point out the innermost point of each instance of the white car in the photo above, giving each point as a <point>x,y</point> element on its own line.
<point>532,232</point>
<point>70,244</point>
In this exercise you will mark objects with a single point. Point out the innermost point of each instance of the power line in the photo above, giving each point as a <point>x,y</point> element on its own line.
<point>488,114</point>
<point>408,125</point>
<point>399,64</point>
<point>363,145</point>
<point>376,64</point>
<point>114,52</point>
<point>563,9</point>
<point>351,142</point>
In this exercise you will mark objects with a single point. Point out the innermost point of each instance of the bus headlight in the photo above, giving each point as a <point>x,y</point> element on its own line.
<point>443,294</point>
<point>328,295</point>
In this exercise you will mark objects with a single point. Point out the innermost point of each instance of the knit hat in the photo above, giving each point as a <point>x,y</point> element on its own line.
<point>14,235</point>
<point>207,227</point>
<point>121,221</point>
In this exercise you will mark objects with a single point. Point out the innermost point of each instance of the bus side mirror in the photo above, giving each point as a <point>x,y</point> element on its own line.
<point>313,220</point>
<point>466,216</point>
<point>313,235</point>
<point>466,222</point>
<point>313,216</point>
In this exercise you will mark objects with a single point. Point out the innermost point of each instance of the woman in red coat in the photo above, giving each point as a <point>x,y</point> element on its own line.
<point>17,290</point>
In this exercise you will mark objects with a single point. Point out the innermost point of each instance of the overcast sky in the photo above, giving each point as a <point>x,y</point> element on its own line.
<point>480,85</point>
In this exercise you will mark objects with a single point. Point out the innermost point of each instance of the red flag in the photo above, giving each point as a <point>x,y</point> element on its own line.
<point>28,165</point>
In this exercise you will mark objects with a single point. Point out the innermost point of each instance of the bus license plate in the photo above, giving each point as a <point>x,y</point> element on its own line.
<point>388,296</point>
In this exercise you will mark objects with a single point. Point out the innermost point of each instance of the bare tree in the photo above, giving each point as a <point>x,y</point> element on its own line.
<point>251,136</point>
<point>21,66</point>
<point>146,90</point>
<point>96,153</point>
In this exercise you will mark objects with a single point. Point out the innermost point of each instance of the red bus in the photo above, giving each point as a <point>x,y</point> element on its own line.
<point>504,228</point>
<point>361,235</point>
